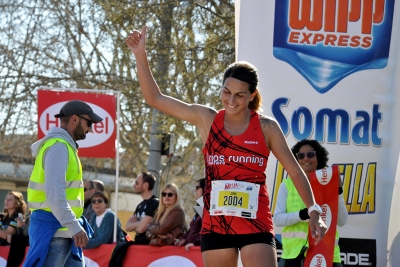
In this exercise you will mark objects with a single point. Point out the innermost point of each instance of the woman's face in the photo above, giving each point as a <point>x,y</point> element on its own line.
<point>10,202</point>
<point>235,96</point>
<point>308,164</point>
<point>99,205</point>
<point>198,191</point>
<point>168,197</point>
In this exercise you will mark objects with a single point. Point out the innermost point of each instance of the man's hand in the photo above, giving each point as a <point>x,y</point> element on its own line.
<point>317,227</point>
<point>81,239</point>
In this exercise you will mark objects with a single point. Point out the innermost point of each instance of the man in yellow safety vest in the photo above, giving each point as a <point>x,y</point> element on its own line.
<point>55,192</point>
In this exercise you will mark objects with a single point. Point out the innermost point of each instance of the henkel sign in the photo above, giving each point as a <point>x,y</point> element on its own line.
<point>100,143</point>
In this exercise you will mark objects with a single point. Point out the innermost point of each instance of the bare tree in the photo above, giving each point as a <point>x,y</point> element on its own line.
<point>81,43</point>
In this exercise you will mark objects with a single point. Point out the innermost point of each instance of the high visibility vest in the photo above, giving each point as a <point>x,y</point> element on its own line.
<point>73,181</point>
<point>294,237</point>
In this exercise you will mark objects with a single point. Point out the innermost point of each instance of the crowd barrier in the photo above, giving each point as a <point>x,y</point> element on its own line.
<point>137,256</point>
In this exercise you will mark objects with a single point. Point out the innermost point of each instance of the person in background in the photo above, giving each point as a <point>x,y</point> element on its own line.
<point>98,185</point>
<point>89,189</point>
<point>144,212</point>
<point>57,229</point>
<point>142,216</point>
<point>19,241</point>
<point>169,222</point>
<point>103,222</point>
<point>291,212</point>
<point>192,237</point>
<point>230,136</point>
<point>13,204</point>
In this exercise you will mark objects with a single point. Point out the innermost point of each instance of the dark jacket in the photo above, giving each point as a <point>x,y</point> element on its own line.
<point>193,235</point>
<point>174,226</point>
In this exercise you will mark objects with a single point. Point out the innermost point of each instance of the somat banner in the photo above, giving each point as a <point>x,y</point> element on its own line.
<point>99,144</point>
<point>329,70</point>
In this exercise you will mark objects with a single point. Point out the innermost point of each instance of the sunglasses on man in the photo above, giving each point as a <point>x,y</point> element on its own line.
<point>89,122</point>
<point>309,155</point>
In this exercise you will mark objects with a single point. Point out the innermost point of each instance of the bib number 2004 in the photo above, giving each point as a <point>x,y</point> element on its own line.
<point>233,199</point>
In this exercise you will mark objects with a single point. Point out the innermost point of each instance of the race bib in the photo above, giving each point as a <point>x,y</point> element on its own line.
<point>234,198</point>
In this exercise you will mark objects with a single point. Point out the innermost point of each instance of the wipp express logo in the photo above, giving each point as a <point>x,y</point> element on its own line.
<point>327,40</point>
<point>101,131</point>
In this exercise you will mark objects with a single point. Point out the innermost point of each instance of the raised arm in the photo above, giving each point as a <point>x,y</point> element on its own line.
<point>279,147</point>
<point>193,113</point>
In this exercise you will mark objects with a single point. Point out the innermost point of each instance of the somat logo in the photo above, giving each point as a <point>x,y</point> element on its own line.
<point>103,130</point>
<point>327,40</point>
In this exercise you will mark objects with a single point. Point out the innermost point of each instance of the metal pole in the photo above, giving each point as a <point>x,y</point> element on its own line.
<point>154,163</point>
<point>117,168</point>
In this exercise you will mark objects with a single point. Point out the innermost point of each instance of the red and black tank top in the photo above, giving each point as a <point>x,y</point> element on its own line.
<point>240,158</point>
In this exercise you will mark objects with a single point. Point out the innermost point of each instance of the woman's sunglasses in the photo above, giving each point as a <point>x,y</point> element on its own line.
<point>309,155</point>
<point>99,200</point>
<point>167,194</point>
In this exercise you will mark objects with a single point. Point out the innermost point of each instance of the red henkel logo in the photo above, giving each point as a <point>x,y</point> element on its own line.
<point>100,143</point>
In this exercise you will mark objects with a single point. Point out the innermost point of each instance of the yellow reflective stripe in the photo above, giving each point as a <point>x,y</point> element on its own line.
<point>39,186</point>
<point>76,203</point>
<point>301,235</point>
<point>38,205</point>
<point>74,184</point>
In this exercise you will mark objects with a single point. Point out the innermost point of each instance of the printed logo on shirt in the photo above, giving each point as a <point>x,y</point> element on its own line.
<point>220,159</point>
<point>251,142</point>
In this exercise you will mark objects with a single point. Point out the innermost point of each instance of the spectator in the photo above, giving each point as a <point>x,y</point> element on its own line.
<point>88,188</point>
<point>98,185</point>
<point>18,242</point>
<point>169,222</point>
<point>14,203</point>
<point>144,212</point>
<point>291,212</point>
<point>192,237</point>
<point>103,222</point>
<point>142,216</point>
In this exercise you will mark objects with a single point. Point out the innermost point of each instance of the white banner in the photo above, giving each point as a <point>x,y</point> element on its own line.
<point>329,70</point>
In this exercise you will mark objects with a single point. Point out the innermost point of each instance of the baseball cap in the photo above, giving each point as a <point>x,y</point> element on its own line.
<point>78,107</point>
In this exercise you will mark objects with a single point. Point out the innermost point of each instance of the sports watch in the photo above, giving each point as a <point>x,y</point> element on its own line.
<point>315,207</point>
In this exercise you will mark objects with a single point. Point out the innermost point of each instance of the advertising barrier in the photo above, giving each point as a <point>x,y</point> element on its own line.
<point>137,256</point>
<point>102,143</point>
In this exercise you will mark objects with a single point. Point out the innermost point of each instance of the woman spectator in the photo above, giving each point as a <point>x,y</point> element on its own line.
<point>311,157</point>
<point>192,237</point>
<point>169,222</point>
<point>13,204</point>
<point>103,222</point>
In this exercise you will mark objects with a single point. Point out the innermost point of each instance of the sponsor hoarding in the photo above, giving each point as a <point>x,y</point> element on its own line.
<point>329,70</point>
<point>100,143</point>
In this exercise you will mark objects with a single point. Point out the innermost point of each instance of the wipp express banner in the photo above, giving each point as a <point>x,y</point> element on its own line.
<point>329,70</point>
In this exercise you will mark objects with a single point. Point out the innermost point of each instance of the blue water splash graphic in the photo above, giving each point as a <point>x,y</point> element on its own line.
<point>322,74</point>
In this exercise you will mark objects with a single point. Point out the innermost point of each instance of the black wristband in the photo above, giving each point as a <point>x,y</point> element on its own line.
<point>304,214</point>
<point>340,190</point>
